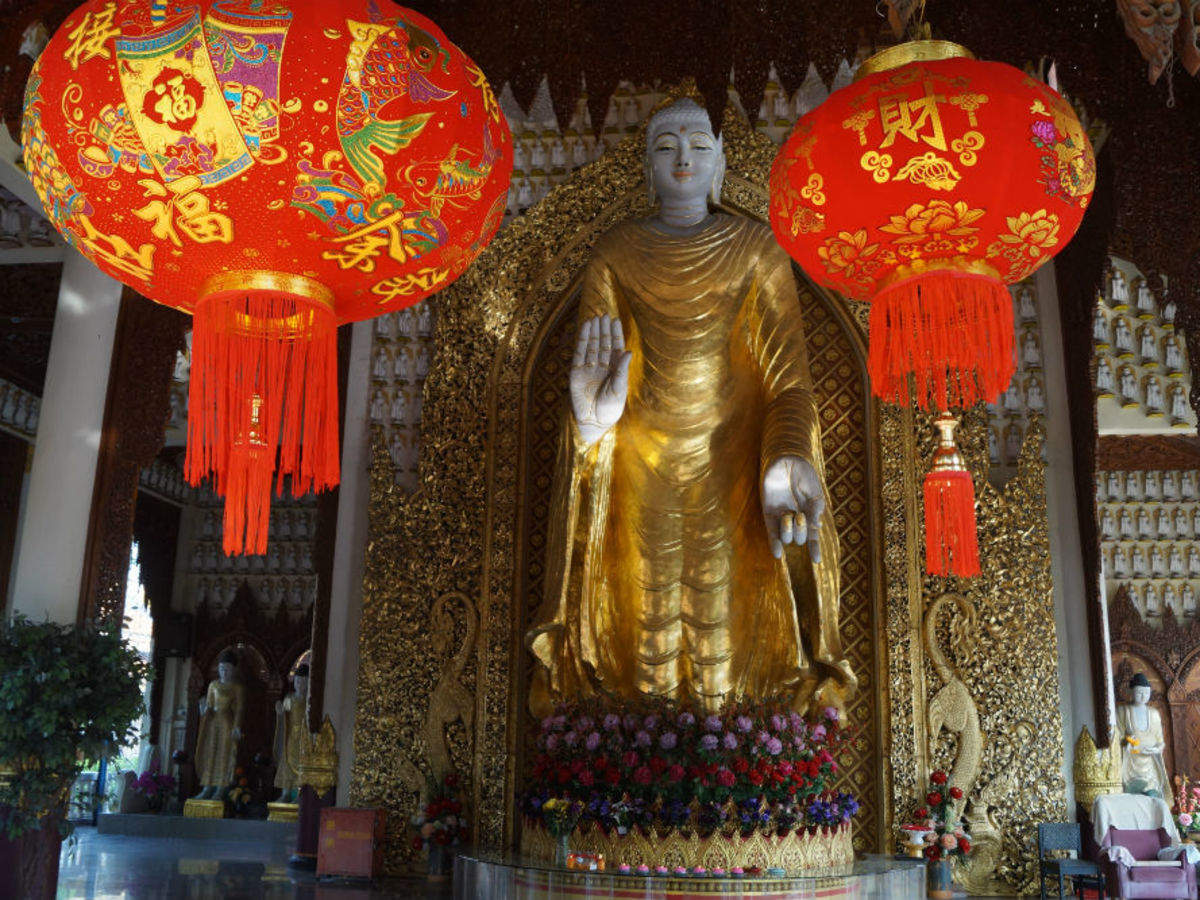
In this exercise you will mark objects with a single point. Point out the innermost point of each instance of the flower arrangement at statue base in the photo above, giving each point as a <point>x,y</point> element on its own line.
<point>655,784</point>
<point>945,841</point>
<point>1187,809</point>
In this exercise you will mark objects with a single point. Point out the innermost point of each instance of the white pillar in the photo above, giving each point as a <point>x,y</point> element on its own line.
<point>349,558</point>
<point>53,539</point>
<point>1076,702</point>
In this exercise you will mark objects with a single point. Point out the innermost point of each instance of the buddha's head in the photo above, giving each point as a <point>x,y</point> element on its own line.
<point>685,160</point>
<point>226,666</point>
<point>1139,688</point>
<point>300,679</point>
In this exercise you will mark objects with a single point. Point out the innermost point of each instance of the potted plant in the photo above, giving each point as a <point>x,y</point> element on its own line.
<point>155,785</point>
<point>440,825</point>
<point>69,696</point>
<point>945,840</point>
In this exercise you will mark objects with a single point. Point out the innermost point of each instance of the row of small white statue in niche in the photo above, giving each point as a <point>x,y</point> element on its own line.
<point>1146,599</point>
<point>284,524</point>
<point>1121,334</point>
<point>404,363</point>
<point>1172,484</point>
<point>272,591</point>
<point>1117,292</point>
<point>416,321</point>
<point>403,407</point>
<point>1137,562</point>
<point>1165,524</point>
<point>1150,394</point>
<point>281,556</point>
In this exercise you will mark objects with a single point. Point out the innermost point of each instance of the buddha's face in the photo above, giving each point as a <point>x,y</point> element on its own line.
<point>301,683</point>
<point>1141,695</point>
<point>684,158</point>
<point>225,672</point>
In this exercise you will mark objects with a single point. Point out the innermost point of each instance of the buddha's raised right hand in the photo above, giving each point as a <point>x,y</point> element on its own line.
<point>599,377</point>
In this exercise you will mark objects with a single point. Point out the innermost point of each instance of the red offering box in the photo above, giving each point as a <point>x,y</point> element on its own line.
<point>351,843</point>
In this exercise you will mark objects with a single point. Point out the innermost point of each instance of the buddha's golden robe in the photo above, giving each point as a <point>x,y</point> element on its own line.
<point>660,578</point>
<point>216,747</point>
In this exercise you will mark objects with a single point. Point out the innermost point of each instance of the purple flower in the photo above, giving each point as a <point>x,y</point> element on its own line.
<point>730,741</point>
<point>584,723</point>
<point>668,740</point>
<point>642,739</point>
<point>551,741</point>
<point>1044,131</point>
<point>593,741</point>
<point>686,720</point>
<point>744,724</point>
<point>763,737</point>
<point>547,723</point>
<point>774,746</point>
<point>708,742</point>
<point>650,723</point>
<point>571,739</point>
<point>560,722</point>
<point>830,713</point>
<point>712,723</point>
<point>779,723</point>
<point>611,722</point>
<point>798,721</point>
<point>818,732</point>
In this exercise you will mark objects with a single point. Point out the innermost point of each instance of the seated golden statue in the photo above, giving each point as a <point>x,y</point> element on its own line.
<point>689,555</point>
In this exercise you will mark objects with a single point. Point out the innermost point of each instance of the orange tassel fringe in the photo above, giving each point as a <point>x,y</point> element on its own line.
<point>263,384</point>
<point>948,334</point>
<point>951,546</point>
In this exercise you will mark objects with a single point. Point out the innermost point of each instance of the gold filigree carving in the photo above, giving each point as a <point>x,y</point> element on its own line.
<point>319,759</point>
<point>449,701</point>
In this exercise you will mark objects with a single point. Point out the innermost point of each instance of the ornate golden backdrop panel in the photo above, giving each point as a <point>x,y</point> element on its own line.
<point>448,579</point>
<point>838,375</point>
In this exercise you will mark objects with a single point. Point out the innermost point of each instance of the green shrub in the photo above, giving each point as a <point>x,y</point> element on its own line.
<point>69,696</point>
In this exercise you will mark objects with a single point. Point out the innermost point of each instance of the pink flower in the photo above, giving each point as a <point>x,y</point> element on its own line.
<point>593,741</point>
<point>725,778</point>
<point>1185,819</point>
<point>744,724</point>
<point>1044,131</point>
<point>730,741</point>
<point>949,841</point>
<point>830,713</point>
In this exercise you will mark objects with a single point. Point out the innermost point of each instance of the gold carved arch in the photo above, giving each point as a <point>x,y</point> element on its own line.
<point>466,532</point>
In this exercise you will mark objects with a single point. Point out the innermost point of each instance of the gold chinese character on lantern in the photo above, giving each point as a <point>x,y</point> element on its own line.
<point>917,120</point>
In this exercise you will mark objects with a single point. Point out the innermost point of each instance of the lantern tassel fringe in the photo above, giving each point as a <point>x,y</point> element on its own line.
<point>951,546</point>
<point>263,387</point>
<point>948,335</point>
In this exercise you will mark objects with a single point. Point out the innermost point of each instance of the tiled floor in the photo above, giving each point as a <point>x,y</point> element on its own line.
<point>118,867</point>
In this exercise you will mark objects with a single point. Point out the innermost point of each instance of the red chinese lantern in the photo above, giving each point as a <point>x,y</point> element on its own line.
<point>276,168</point>
<point>925,187</point>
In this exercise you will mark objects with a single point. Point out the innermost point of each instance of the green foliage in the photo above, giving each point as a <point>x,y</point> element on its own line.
<point>69,696</point>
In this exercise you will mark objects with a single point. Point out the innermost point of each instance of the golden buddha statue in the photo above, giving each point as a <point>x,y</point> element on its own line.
<point>689,555</point>
<point>220,729</point>
<point>291,729</point>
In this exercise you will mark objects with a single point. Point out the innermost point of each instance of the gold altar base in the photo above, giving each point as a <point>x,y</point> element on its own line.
<point>283,812</point>
<point>204,809</point>
<point>803,850</point>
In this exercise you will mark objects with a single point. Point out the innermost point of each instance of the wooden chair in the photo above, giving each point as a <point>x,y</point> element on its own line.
<point>1054,836</point>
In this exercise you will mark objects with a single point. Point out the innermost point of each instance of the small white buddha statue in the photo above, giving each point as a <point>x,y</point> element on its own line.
<point>1183,523</point>
<point>1170,485</point>
<point>1179,403</point>
<point>1121,562</point>
<point>1118,289</point>
<point>1154,396</point>
<point>1144,526</point>
<point>1170,600</point>
<point>1100,328</point>
<point>1031,353</point>
<point>1108,525</point>
<point>1193,558</point>
<point>1133,486</point>
<point>1146,306</point>
<point>1150,601</point>
<point>1158,562</point>
<point>1101,487</point>
<point>1187,484</point>
<point>378,407</point>
<point>1168,313</point>
<point>1129,388</point>
<point>1116,486</point>
<point>425,319</point>
<point>1012,442</point>
<point>380,368</point>
<point>1149,347</point>
<point>994,445</point>
<point>1012,398</point>
<point>399,410</point>
<point>1035,396</point>
<point>383,325</point>
<point>1153,485</point>
<point>1026,307</point>
<point>1172,356</point>
<point>1175,562</point>
<point>1140,728</point>
<point>1127,528</point>
<point>1141,565</point>
<point>1104,378</point>
<point>1187,598</point>
<point>1124,337</point>
<point>1163,520</point>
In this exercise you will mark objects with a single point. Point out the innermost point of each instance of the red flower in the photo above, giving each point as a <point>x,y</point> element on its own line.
<point>741,766</point>
<point>629,758</point>
<point>756,778</point>
<point>933,798</point>
<point>814,768</point>
<point>612,776</point>
<point>933,851</point>
<point>563,774</point>
<point>643,775</point>
<point>601,763</point>
<point>586,778</point>
<point>658,765</point>
<point>676,772</point>
<point>938,777</point>
<point>577,766</point>
<point>964,845</point>
<point>956,793</point>
<point>725,778</point>
<point>922,812</point>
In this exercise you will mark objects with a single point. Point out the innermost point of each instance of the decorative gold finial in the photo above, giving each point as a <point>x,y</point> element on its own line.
<point>318,759</point>
<point>1097,772</point>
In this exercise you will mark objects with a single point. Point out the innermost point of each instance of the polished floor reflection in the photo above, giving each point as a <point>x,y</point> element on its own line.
<point>119,867</point>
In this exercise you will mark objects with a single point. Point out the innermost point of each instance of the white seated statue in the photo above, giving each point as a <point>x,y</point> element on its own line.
<point>1187,485</point>
<point>1031,353</point>
<point>1118,289</point>
<point>1121,562</point>
<point>1188,598</point>
<point>1153,485</point>
<point>1170,599</point>
<point>1127,529</point>
<point>1149,347</point>
<point>1124,336</point>
<point>1100,327</point>
<point>1104,378</point>
<point>1145,526</point>
<point>1035,395</point>
<point>1183,523</point>
<point>1146,305</point>
<point>1170,485</point>
<point>1026,305</point>
<point>1140,728</point>
<point>1158,562</point>
<point>1129,389</point>
<point>1193,558</point>
<point>1108,525</point>
<point>1116,486</point>
<point>1172,356</point>
<point>1141,566</point>
<point>1133,486</point>
<point>1165,524</point>
<point>1150,595</point>
<point>1179,403</point>
<point>1154,396</point>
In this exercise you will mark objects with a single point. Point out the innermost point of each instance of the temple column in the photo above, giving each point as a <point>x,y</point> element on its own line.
<point>341,669</point>
<point>54,528</point>
<point>1066,555</point>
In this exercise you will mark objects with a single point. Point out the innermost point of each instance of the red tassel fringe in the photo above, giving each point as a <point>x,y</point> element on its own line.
<point>951,545</point>
<point>263,380</point>
<point>948,333</point>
